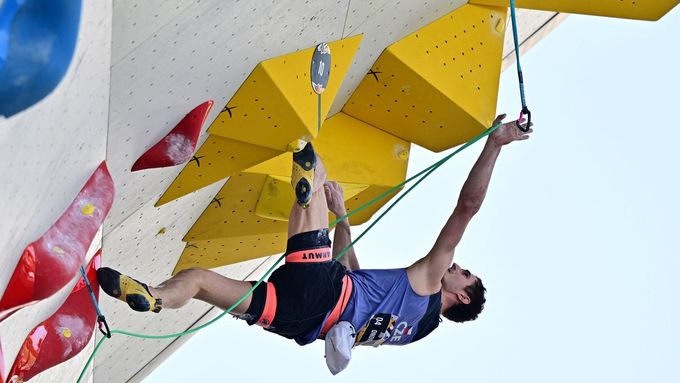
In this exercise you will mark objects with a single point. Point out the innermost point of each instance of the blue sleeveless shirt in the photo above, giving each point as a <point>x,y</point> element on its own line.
<point>384,309</point>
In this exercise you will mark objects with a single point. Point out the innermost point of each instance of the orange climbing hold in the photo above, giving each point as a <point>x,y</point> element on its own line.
<point>51,261</point>
<point>63,335</point>
<point>178,146</point>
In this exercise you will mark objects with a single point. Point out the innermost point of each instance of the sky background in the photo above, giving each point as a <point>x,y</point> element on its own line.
<point>577,241</point>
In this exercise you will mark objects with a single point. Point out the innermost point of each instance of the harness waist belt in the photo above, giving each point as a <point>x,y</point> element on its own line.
<point>310,256</point>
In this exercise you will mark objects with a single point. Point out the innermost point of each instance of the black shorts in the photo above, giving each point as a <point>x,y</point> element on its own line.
<point>305,292</point>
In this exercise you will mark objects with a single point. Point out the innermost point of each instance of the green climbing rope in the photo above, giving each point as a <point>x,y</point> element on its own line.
<point>424,173</point>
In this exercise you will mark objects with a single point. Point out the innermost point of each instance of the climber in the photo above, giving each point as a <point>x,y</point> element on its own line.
<point>312,296</point>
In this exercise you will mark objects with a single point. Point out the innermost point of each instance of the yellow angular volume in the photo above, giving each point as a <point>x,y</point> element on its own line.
<point>438,86</point>
<point>276,104</point>
<point>273,107</point>
<point>629,9</point>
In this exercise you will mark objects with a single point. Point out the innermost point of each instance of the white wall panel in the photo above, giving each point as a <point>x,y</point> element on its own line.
<point>531,27</point>
<point>134,21</point>
<point>359,12</point>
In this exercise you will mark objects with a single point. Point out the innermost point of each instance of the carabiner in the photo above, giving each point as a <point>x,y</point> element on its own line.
<point>525,111</point>
<point>100,320</point>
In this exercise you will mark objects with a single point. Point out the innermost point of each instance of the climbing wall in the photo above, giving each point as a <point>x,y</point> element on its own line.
<point>138,69</point>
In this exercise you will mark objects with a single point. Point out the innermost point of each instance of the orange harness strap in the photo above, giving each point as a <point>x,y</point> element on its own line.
<point>269,310</point>
<point>310,256</point>
<point>334,316</point>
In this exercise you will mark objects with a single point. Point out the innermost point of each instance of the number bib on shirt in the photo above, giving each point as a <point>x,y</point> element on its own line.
<point>377,330</point>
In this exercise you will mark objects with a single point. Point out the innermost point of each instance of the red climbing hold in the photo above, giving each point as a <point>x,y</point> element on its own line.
<point>51,261</point>
<point>179,145</point>
<point>63,335</point>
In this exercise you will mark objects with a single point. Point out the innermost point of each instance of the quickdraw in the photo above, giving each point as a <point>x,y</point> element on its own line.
<point>101,320</point>
<point>525,111</point>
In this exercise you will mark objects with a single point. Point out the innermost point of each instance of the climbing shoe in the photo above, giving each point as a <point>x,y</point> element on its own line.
<point>129,290</point>
<point>302,178</point>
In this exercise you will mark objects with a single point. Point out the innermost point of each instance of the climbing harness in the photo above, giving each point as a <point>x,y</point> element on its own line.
<point>525,110</point>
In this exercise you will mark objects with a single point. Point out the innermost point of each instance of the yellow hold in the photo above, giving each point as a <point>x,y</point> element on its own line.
<point>438,86</point>
<point>629,9</point>
<point>87,209</point>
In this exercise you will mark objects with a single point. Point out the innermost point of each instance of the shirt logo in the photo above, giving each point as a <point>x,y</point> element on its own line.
<point>401,330</point>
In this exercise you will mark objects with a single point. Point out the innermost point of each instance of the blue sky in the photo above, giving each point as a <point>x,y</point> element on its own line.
<point>577,241</point>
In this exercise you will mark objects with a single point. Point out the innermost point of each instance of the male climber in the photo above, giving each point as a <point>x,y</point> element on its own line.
<point>314,297</point>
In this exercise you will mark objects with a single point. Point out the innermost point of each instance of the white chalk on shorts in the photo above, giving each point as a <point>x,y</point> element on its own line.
<point>339,343</point>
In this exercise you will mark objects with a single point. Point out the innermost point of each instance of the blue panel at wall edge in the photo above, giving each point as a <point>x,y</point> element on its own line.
<point>37,41</point>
